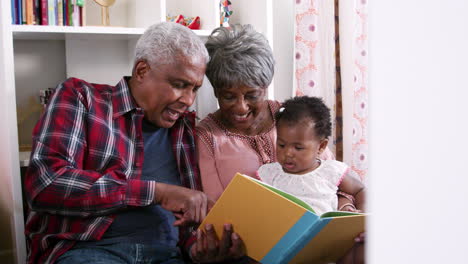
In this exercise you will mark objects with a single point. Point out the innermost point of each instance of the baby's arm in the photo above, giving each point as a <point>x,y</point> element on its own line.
<point>345,204</point>
<point>353,186</point>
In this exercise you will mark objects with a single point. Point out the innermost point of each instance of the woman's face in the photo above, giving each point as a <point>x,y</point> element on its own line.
<point>241,106</point>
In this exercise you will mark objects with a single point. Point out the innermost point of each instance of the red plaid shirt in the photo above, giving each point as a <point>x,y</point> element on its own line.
<point>86,164</point>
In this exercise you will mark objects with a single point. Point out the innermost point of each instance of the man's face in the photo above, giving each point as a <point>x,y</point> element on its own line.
<point>166,91</point>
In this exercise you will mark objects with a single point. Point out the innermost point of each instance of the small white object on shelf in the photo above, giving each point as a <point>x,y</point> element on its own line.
<point>24,158</point>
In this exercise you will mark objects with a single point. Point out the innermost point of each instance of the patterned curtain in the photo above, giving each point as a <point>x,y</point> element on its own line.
<point>315,56</point>
<point>318,70</point>
<point>360,144</point>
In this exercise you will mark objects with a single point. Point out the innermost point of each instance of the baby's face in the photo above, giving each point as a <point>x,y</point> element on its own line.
<point>297,147</point>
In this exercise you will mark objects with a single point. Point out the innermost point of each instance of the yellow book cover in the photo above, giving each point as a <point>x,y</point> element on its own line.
<point>277,227</point>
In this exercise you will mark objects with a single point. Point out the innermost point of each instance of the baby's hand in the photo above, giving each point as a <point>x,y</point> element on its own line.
<point>349,207</point>
<point>361,238</point>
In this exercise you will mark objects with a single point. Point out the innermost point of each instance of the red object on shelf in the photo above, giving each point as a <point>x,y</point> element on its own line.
<point>180,20</point>
<point>195,24</point>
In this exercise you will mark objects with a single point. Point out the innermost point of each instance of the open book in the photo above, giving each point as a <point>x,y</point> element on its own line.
<point>277,227</point>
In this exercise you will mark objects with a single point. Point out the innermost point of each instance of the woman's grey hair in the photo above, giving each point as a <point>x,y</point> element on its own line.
<point>239,56</point>
<point>162,42</point>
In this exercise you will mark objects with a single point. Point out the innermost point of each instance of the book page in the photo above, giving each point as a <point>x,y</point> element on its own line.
<point>286,195</point>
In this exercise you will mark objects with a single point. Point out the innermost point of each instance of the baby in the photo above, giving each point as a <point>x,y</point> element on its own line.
<point>303,127</point>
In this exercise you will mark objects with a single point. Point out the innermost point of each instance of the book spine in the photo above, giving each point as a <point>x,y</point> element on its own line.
<point>294,240</point>
<point>29,12</point>
<point>64,6</point>
<point>307,235</point>
<point>44,13</point>
<point>56,12</point>
<point>13,12</point>
<point>76,14</point>
<point>80,9</point>
<point>23,12</point>
<point>51,12</point>
<point>60,12</point>
<point>70,12</point>
<point>83,15</point>
<point>37,12</point>
<point>18,12</point>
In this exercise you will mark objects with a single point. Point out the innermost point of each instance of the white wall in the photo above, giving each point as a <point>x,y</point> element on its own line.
<point>418,52</point>
<point>283,48</point>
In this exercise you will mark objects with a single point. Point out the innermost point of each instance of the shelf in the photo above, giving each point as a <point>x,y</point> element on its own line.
<point>28,32</point>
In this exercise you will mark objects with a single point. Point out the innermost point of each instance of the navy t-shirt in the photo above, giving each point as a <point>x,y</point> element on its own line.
<point>151,224</point>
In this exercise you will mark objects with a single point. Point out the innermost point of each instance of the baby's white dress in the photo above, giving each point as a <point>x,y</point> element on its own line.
<point>318,188</point>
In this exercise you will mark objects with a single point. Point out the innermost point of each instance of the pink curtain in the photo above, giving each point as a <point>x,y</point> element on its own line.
<point>315,55</point>
<point>360,52</point>
<point>318,70</point>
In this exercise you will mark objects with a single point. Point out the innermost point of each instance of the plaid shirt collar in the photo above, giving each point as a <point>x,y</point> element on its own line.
<point>122,99</point>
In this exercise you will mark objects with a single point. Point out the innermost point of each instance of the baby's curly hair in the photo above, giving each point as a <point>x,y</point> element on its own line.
<point>301,108</point>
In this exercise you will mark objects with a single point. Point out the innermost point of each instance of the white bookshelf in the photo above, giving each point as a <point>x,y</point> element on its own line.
<point>38,57</point>
<point>27,32</point>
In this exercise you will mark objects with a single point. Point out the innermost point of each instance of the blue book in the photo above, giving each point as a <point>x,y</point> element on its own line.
<point>56,13</point>
<point>13,12</point>
<point>20,12</point>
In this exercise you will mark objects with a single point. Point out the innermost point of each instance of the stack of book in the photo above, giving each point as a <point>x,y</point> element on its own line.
<point>48,12</point>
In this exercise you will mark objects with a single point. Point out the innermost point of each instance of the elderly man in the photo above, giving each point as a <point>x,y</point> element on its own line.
<point>112,173</point>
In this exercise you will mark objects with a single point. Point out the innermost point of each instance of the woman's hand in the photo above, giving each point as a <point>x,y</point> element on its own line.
<point>209,249</point>
<point>357,253</point>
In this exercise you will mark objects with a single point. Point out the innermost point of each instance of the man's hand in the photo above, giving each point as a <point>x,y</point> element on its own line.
<point>209,249</point>
<point>189,206</point>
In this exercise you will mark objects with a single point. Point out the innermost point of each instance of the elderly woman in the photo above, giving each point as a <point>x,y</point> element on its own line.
<point>241,135</point>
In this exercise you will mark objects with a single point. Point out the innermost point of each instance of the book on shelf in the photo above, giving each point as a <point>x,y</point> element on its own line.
<point>19,12</point>
<point>60,13</point>
<point>37,12</point>
<point>29,12</point>
<point>44,12</point>
<point>13,12</point>
<point>23,11</point>
<point>51,12</point>
<point>277,227</point>
<point>48,12</point>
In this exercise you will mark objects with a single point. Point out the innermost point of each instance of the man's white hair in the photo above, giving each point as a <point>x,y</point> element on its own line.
<point>163,42</point>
